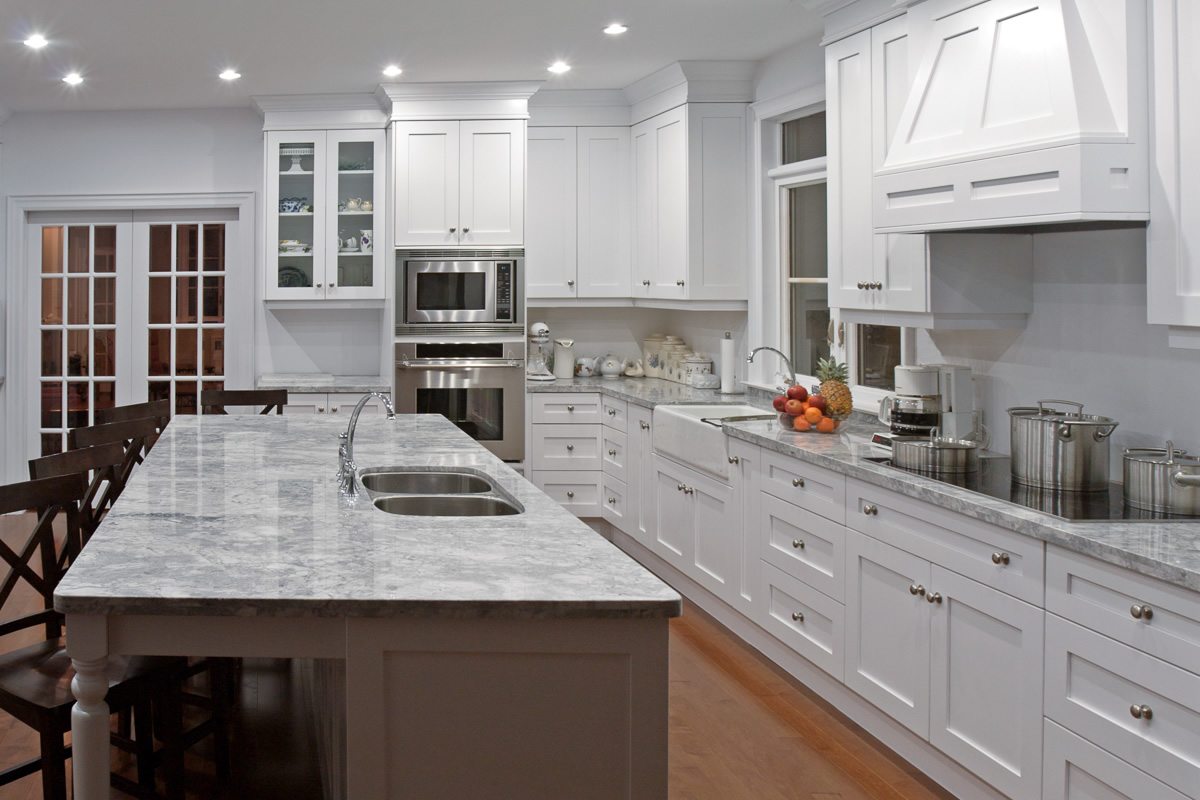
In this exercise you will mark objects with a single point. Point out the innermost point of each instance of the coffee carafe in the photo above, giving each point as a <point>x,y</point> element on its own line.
<point>916,408</point>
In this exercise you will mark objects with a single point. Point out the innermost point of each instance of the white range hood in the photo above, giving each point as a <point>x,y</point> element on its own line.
<point>1020,112</point>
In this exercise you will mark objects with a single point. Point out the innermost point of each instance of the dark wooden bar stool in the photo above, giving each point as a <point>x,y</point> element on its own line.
<point>35,680</point>
<point>136,436</point>
<point>213,401</point>
<point>102,468</point>
<point>160,410</point>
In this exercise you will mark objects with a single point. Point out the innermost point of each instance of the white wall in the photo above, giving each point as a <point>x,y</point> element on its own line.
<point>1087,341</point>
<point>337,341</point>
<point>797,67</point>
<point>620,331</point>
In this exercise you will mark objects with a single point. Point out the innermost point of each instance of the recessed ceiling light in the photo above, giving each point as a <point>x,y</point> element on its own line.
<point>230,75</point>
<point>615,28</point>
<point>36,41</point>
<point>391,70</point>
<point>559,67</point>
<point>73,78</point>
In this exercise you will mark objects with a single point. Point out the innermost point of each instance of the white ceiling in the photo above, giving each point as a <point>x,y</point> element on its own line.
<point>167,53</point>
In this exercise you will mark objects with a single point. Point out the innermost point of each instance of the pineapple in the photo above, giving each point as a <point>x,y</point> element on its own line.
<point>833,387</point>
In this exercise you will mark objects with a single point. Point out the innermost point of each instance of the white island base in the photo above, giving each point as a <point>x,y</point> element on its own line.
<point>436,707</point>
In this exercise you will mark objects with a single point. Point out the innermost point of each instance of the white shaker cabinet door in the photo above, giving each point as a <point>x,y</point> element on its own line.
<point>716,536</point>
<point>887,629</point>
<point>673,523</point>
<point>985,708</point>
<point>603,199</point>
<point>550,243</point>
<point>1076,769</point>
<point>642,482</point>
<point>427,179</point>
<point>492,182</point>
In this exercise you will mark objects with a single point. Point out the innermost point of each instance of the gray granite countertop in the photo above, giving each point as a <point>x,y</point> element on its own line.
<point>1169,551</point>
<point>240,515</point>
<point>316,384</point>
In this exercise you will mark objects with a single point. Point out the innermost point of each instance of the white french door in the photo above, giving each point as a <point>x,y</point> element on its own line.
<point>131,307</point>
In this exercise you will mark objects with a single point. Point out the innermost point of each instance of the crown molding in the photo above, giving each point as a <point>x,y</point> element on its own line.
<point>333,111</point>
<point>824,7</point>
<point>467,100</point>
<point>691,82</point>
<point>578,107</point>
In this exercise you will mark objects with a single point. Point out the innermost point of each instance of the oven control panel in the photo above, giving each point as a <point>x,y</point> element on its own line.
<point>504,291</point>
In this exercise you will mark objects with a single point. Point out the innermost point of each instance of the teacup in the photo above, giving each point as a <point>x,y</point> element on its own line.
<point>366,205</point>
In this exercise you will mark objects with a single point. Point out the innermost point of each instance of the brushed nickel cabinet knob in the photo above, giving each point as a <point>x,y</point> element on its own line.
<point>1001,558</point>
<point>645,426</point>
<point>570,447</point>
<point>612,412</point>
<point>935,597</point>
<point>612,501</point>
<point>870,510</point>
<point>916,588</point>
<point>570,282</point>
<point>798,483</point>
<point>1141,712</point>
<point>798,544</point>
<point>612,452</point>
<point>735,460</point>
<point>797,616</point>
<point>1141,612</point>
<point>570,494</point>
<point>570,408</point>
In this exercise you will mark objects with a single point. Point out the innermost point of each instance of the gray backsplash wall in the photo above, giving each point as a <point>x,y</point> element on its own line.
<point>1088,341</point>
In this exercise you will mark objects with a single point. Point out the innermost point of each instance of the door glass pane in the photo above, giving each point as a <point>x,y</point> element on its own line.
<point>52,395</point>
<point>77,404</point>
<point>51,443</point>
<point>77,353</point>
<point>185,300</point>
<point>105,300</point>
<point>52,301</point>
<point>104,345</point>
<point>104,395</point>
<point>52,249</point>
<point>105,257</point>
<point>355,270</point>
<point>214,248</point>
<point>214,298</point>
<point>187,244</point>
<point>185,397</point>
<point>214,351</point>
<point>478,412</point>
<point>810,326</point>
<point>878,356</point>
<point>77,302</point>
<point>159,390</point>
<point>160,301</point>
<point>295,271</point>
<point>160,352</point>
<point>78,238</point>
<point>185,351</point>
<point>297,161</point>
<point>160,248</point>
<point>804,138</point>
<point>52,343</point>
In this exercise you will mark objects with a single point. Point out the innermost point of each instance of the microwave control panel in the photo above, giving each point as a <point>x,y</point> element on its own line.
<point>504,291</point>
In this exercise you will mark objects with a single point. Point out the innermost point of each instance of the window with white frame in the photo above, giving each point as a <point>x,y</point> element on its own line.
<point>808,330</point>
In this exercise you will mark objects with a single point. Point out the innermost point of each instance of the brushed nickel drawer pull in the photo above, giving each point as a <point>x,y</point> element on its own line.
<point>870,510</point>
<point>916,588</point>
<point>1141,612</point>
<point>936,597</point>
<point>570,408</point>
<point>570,283</point>
<point>570,494</point>
<point>612,501</point>
<point>612,452</point>
<point>798,483</point>
<point>862,285</point>
<point>645,283</point>
<point>612,412</point>
<point>797,616</point>
<point>570,447</point>
<point>1141,712</point>
<point>1001,558</point>
<point>679,283</point>
<point>735,460</point>
<point>689,490</point>
<point>680,488</point>
<point>798,544</point>
<point>645,426</point>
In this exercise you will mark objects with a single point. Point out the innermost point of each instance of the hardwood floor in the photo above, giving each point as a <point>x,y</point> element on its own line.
<point>740,729</point>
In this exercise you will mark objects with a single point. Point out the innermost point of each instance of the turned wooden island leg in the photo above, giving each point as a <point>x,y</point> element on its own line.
<point>87,645</point>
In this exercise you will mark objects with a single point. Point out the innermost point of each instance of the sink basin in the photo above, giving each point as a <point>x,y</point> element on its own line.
<point>424,483</point>
<point>466,505</point>
<point>692,434</point>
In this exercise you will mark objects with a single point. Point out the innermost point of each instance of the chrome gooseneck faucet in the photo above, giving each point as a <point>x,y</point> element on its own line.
<point>790,378</point>
<point>348,486</point>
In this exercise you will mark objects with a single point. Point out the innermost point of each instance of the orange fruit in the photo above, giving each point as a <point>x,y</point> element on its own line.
<point>804,406</point>
<point>801,424</point>
<point>826,425</point>
<point>813,415</point>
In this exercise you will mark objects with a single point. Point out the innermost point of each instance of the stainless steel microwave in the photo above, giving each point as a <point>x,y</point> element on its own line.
<point>451,290</point>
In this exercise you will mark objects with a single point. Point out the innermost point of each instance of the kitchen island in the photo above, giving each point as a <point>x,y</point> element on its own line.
<point>516,655</point>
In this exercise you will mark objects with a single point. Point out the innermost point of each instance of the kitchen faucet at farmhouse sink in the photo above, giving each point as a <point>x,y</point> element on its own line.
<point>790,378</point>
<point>348,486</point>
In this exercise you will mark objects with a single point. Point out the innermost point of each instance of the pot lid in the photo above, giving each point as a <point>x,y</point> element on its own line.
<point>1042,412</point>
<point>1161,455</point>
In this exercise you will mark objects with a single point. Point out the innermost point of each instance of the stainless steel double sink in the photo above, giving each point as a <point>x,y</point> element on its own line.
<point>436,493</point>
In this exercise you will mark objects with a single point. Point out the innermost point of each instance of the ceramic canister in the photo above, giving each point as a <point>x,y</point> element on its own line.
<point>651,355</point>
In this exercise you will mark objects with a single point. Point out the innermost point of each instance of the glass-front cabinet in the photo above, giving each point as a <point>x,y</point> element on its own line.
<point>325,207</point>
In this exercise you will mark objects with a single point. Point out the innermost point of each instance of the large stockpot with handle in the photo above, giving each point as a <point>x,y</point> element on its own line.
<point>1162,479</point>
<point>1061,450</point>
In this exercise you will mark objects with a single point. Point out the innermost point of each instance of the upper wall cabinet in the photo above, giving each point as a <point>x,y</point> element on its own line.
<point>1173,238</point>
<point>1019,112</point>
<point>577,239</point>
<point>951,280</point>
<point>460,183</point>
<point>325,210</point>
<point>689,203</point>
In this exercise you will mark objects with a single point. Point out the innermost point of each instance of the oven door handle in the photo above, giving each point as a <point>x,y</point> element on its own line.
<point>483,364</point>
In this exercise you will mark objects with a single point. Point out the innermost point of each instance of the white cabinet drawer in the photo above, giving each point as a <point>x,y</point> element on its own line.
<point>566,447</point>
<point>1155,617</point>
<point>805,620</point>
<point>614,502</point>
<point>614,452</point>
<point>615,413</point>
<point>993,556</point>
<point>577,492</point>
<point>1075,769</point>
<point>566,407</point>
<point>1100,688</point>
<point>806,546</point>
<point>818,490</point>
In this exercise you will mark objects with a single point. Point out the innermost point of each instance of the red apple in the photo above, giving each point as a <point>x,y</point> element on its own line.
<point>797,393</point>
<point>786,420</point>
<point>793,407</point>
<point>779,401</point>
<point>816,401</point>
